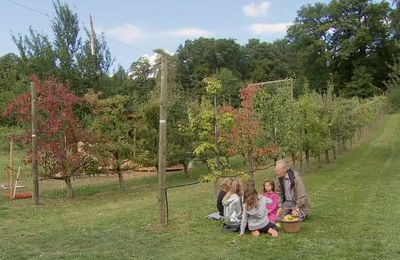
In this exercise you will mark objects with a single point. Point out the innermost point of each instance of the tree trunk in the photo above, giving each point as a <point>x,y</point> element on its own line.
<point>293,159</point>
<point>301,161</point>
<point>334,152</point>
<point>359,130</point>
<point>319,160</point>
<point>121,179</point>
<point>185,170</point>
<point>307,160</point>
<point>216,188</point>
<point>250,158</point>
<point>327,156</point>
<point>344,145</point>
<point>69,187</point>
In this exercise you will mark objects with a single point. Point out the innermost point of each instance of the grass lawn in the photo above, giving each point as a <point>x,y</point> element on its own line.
<point>354,216</point>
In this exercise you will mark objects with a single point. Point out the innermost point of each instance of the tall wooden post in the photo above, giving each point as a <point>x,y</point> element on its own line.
<point>162,144</point>
<point>10,170</point>
<point>216,133</point>
<point>35,177</point>
<point>217,159</point>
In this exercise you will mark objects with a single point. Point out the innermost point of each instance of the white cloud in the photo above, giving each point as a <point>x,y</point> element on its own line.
<point>126,33</point>
<point>255,10</point>
<point>129,33</point>
<point>269,28</point>
<point>153,57</point>
<point>188,32</point>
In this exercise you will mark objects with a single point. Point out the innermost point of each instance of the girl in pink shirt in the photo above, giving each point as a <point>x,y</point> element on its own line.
<point>269,192</point>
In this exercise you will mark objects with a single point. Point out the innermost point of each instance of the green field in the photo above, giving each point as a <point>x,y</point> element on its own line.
<point>354,216</point>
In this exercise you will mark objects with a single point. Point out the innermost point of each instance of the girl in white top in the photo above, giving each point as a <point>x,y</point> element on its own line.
<point>233,205</point>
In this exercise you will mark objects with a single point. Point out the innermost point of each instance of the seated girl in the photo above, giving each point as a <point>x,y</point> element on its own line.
<point>255,212</point>
<point>233,207</point>
<point>269,192</point>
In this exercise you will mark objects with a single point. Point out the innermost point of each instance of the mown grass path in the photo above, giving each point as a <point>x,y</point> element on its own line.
<point>355,215</point>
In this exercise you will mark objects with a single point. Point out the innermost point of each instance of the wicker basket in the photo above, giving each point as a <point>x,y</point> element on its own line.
<point>291,226</point>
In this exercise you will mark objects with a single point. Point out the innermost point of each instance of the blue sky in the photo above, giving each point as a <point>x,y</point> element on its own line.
<point>135,28</point>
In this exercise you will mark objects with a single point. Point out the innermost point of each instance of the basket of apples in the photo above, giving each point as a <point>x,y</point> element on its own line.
<point>290,224</point>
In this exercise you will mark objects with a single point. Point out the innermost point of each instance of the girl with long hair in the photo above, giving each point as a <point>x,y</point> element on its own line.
<point>233,207</point>
<point>255,212</point>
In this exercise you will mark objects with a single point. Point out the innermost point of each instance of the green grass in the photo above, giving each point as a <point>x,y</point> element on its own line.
<point>354,216</point>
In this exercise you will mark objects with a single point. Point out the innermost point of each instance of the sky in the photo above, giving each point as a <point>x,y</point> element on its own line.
<point>134,28</point>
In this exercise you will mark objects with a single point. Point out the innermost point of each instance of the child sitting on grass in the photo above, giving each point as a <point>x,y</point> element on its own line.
<point>223,189</point>
<point>233,207</point>
<point>269,192</point>
<point>255,212</point>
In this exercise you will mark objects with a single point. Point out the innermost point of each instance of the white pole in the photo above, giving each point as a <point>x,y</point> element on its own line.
<point>16,182</point>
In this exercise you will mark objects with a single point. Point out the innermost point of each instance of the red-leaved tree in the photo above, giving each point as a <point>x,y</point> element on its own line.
<point>241,138</point>
<point>59,130</point>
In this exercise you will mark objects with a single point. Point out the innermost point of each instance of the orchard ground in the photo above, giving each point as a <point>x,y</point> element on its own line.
<point>355,214</point>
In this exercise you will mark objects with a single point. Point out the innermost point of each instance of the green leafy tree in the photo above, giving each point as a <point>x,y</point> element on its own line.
<point>113,130</point>
<point>11,84</point>
<point>273,104</point>
<point>230,87</point>
<point>67,57</point>
<point>203,57</point>
<point>143,78</point>
<point>345,38</point>
<point>393,85</point>
<point>315,126</point>
<point>266,61</point>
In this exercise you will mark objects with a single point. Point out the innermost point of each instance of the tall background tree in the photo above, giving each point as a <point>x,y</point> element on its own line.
<point>350,39</point>
<point>68,56</point>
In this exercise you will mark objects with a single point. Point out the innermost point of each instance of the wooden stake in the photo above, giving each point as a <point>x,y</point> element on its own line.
<point>16,182</point>
<point>162,144</point>
<point>10,169</point>
<point>35,177</point>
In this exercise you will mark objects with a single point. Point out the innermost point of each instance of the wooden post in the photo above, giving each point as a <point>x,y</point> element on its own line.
<point>10,170</point>
<point>216,144</point>
<point>162,144</point>
<point>216,133</point>
<point>35,177</point>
